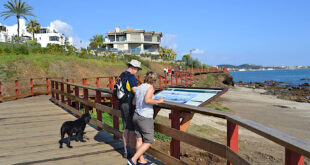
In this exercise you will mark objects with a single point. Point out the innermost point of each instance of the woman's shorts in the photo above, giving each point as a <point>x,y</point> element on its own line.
<point>144,128</point>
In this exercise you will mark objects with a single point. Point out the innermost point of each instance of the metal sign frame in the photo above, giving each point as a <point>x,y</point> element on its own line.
<point>223,90</point>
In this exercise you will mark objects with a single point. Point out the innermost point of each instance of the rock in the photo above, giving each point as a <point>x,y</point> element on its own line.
<point>305,79</point>
<point>305,85</point>
<point>229,81</point>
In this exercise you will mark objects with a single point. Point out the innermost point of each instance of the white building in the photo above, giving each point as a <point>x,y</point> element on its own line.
<point>49,35</point>
<point>3,34</point>
<point>134,41</point>
<point>45,36</point>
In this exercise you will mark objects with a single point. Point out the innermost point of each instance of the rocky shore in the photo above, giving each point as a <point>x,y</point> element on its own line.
<point>282,90</point>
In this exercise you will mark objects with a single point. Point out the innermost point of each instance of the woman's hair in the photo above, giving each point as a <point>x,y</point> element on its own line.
<point>150,77</point>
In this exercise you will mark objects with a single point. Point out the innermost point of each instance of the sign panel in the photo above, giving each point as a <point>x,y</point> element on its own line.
<point>189,96</point>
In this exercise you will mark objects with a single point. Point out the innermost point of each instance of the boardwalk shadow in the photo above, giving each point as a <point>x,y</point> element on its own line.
<point>66,140</point>
<point>105,137</point>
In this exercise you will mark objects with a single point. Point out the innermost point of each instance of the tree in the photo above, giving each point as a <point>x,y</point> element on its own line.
<point>33,27</point>
<point>17,8</point>
<point>167,52</point>
<point>97,41</point>
<point>162,52</point>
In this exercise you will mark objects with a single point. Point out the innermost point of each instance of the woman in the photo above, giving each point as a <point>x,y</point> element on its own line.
<point>143,118</point>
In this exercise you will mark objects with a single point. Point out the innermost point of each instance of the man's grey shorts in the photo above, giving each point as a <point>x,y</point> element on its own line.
<point>127,114</point>
<point>144,128</point>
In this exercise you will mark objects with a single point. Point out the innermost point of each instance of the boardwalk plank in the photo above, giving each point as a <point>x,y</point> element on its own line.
<point>30,131</point>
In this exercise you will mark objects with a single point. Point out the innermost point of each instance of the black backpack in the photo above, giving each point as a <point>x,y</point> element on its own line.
<point>119,88</point>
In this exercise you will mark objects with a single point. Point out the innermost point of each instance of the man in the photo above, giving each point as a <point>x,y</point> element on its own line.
<point>127,109</point>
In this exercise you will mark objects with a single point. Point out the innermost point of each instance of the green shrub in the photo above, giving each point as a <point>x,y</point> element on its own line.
<point>7,50</point>
<point>22,49</point>
<point>161,137</point>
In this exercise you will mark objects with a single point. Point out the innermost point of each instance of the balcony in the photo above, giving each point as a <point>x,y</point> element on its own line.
<point>131,40</point>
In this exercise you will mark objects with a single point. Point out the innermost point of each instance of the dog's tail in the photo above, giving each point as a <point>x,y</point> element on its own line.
<point>62,132</point>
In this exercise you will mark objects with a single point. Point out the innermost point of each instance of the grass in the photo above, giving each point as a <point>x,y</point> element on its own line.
<point>217,106</point>
<point>106,118</point>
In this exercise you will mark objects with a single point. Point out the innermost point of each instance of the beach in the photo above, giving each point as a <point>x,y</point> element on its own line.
<point>287,116</point>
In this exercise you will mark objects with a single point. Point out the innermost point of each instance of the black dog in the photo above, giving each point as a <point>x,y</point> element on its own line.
<point>76,127</point>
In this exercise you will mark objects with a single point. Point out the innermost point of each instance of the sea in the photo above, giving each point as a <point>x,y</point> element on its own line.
<point>290,77</point>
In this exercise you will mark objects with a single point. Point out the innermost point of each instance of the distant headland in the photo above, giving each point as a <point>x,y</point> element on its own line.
<point>254,67</point>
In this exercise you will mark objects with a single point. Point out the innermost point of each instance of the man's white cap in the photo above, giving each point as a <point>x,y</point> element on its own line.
<point>135,63</point>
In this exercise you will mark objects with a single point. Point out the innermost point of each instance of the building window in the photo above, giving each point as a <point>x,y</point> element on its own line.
<point>3,28</point>
<point>54,38</point>
<point>43,30</point>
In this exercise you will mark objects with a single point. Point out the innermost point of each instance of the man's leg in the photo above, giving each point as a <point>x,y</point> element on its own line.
<point>125,141</point>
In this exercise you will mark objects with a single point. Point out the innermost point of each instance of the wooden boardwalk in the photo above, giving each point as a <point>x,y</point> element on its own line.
<point>30,130</point>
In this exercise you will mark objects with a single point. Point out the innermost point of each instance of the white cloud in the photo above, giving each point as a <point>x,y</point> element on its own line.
<point>198,51</point>
<point>65,28</point>
<point>62,27</point>
<point>168,40</point>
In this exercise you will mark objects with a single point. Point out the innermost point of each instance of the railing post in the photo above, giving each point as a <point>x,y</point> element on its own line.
<point>57,94</point>
<point>115,105</point>
<point>111,83</point>
<point>171,80</point>
<point>86,107</point>
<point>68,92</point>
<point>31,86</point>
<point>16,88</point>
<point>97,82</point>
<point>186,79</point>
<point>77,94</point>
<point>99,113</point>
<point>194,78</point>
<point>232,137</point>
<point>176,79</point>
<point>47,86</point>
<point>165,81</point>
<point>293,158</point>
<point>84,82</point>
<point>175,123</point>
<point>53,94</point>
<point>62,88</point>
<point>181,76</point>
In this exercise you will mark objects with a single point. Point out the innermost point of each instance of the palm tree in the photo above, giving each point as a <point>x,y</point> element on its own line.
<point>97,41</point>
<point>33,27</point>
<point>17,8</point>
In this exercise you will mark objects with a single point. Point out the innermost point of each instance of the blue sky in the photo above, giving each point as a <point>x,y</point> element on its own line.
<point>265,32</point>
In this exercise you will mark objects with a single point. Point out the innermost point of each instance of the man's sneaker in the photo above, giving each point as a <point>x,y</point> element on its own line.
<point>130,162</point>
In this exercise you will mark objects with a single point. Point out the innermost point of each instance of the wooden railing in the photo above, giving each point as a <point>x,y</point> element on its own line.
<point>295,149</point>
<point>21,88</point>
<point>33,86</point>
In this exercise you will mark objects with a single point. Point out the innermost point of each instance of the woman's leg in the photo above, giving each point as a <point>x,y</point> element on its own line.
<point>140,151</point>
